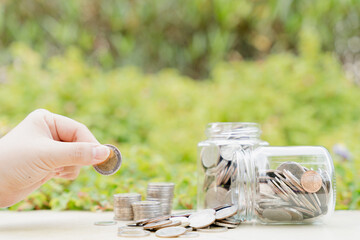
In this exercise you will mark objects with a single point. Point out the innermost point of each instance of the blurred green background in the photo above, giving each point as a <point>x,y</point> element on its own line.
<point>147,76</point>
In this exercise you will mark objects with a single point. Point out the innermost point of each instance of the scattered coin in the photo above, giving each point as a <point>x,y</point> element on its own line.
<point>227,225</point>
<point>229,221</point>
<point>105,223</point>
<point>157,224</point>
<point>226,212</point>
<point>157,219</point>
<point>183,214</point>
<point>184,221</point>
<point>202,220</point>
<point>171,224</point>
<point>132,224</point>
<point>202,212</point>
<point>170,232</point>
<point>112,164</point>
<point>311,181</point>
<point>222,206</point>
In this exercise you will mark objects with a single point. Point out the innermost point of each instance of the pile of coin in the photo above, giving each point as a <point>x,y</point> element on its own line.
<point>162,192</point>
<point>292,193</point>
<point>122,205</point>
<point>184,224</point>
<point>146,209</point>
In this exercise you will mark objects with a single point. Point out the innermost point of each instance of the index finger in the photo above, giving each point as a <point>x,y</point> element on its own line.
<point>68,130</point>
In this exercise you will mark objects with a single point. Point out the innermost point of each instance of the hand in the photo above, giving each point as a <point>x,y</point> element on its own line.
<point>44,145</point>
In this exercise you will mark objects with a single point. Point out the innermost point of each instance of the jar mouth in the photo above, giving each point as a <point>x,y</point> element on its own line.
<point>236,130</point>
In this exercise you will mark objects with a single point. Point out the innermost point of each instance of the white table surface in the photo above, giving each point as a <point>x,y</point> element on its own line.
<point>80,225</point>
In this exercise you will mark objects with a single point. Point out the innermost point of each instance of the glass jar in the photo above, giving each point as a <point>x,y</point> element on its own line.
<point>276,185</point>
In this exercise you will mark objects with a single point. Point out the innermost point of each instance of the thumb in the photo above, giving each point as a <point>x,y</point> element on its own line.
<point>77,153</point>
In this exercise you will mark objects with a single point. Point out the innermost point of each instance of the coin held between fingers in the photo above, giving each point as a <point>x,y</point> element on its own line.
<point>112,164</point>
<point>101,153</point>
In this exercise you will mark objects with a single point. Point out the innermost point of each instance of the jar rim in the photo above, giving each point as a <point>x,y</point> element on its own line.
<point>233,129</point>
<point>253,124</point>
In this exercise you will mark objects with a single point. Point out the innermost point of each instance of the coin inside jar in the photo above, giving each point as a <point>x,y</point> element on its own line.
<point>112,164</point>
<point>311,181</point>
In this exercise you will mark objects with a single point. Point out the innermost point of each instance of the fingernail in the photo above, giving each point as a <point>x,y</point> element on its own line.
<point>100,153</point>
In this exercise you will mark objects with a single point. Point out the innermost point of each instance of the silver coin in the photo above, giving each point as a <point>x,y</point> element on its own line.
<point>229,173</point>
<point>295,168</point>
<point>221,176</point>
<point>226,212</point>
<point>222,206</point>
<point>229,221</point>
<point>105,223</point>
<point>305,211</point>
<point>323,196</point>
<point>183,214</point>
<point>293,180</point>
<point>202,212</point>
<point>295,214</point>
<point>264,188</point>
<point>326,179</point>
<point>210,156</point>
<point>221,165</point>
<point>202,220</point>
<point>276,214</point>
<point>227,152</point>
<point>174,223</point>
<point>184,221</point>
<point>170,232</point>
<point>306,202</point>
<point>227,225</point>
<point>157,224</point>
<point>112,164</point>
<point>213,229</point>
<point>157,219</point>
<point>133,224</point>
<point>215,197</point>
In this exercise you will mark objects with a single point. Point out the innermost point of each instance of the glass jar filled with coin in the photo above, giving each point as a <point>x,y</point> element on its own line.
<point>274,185</point>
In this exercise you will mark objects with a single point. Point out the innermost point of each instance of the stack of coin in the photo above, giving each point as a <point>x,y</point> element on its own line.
<point>146,209</point>
<point>292,193</point>
<point>162,192</point>
<point>122,205</point>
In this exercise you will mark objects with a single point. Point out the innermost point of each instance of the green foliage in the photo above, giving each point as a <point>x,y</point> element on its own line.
<point>158,119</point>
<point>191,35</point>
